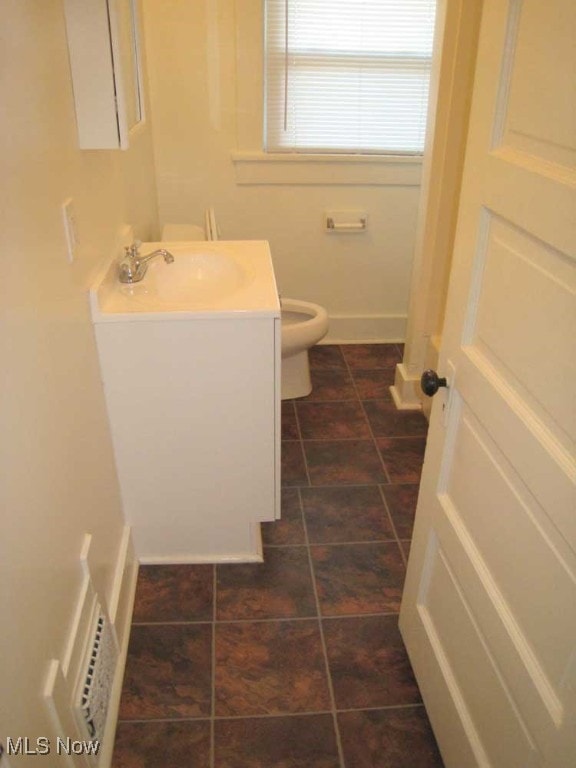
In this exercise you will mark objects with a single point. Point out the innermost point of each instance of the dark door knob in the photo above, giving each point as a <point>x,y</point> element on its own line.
<point>430,382</point>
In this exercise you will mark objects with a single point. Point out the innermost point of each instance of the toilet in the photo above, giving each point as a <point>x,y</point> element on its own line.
<point>303,324</point>
<point>174,232</point>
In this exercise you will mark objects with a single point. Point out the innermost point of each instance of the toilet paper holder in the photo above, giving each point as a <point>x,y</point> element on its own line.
<point>352,222</point>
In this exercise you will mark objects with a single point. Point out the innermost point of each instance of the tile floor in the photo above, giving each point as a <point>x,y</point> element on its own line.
<point>297,662</point>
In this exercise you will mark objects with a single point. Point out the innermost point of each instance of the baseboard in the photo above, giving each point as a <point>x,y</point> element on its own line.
<point>406,390</point>
<point>209,559</point>
<point>365,329</point>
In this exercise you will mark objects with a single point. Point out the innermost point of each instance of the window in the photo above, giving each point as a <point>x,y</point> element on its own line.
<point>347,76</point>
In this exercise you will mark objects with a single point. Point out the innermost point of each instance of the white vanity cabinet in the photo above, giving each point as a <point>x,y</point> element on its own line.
<point>194,406</point>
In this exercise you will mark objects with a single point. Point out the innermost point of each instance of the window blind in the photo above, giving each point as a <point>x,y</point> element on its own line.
<point>347,75</point>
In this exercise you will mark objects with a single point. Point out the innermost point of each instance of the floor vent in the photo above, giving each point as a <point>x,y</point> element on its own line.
<point>96,683</point>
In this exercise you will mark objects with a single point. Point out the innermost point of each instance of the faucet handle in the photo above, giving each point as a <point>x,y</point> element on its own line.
<point>132,250</point>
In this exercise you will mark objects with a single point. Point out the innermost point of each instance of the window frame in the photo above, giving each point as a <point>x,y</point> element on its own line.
<point>251,165</point>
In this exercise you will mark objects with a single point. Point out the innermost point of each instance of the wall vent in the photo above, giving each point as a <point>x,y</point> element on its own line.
<point>95,686</point>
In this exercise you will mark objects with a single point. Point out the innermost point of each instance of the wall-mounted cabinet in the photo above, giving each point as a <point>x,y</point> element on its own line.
<point>104,49</point>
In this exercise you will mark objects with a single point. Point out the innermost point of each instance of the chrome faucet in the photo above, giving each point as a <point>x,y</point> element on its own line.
<point>133,267</point>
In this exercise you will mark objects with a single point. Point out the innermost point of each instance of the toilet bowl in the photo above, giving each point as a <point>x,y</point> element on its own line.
<point>303,325</point>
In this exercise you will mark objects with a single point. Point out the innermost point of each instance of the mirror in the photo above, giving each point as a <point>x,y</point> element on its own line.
<point>128,44</point>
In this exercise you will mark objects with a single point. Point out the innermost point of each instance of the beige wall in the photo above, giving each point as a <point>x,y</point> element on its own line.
<point>205,76</point>
<point>57,479</point>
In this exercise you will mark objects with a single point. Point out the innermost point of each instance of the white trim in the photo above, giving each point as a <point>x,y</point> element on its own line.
<point>365,329</point>
<point>405,391</point>
<point>318,169</point>
<point>123,594</point>
<point>232,557</point>
<point>326,157</point>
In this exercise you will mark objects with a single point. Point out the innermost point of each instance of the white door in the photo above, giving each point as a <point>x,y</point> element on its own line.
<point>489,609</point>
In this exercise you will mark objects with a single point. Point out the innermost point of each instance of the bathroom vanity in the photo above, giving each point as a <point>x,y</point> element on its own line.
<point>190,360</point>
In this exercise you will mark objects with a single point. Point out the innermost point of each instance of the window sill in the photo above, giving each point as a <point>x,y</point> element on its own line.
<point>299,169</point>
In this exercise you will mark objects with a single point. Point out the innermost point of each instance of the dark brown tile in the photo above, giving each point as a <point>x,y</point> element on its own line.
<point>270,667</point>
<point>403,457</point>
<point>288,421</point>
<point>298,741</point>
<point>345,514</point>
<point>370,356</point>
<point>326,356</point>
<point>401,501</point>
<point>279,588</point>
<point>406,548</point>
<point>332,421</point>
<point>358,578</point>
<point>375,384</point>
<point>368,663</point>
<point>293,470</point>
<point>290,528</point>
<point>345,462</point>
<point>389,738</point>
<point>387,421</point>
<point>168,672</point>
<point>174,593</point>
<point>330,385</point>
<point>162,745</point>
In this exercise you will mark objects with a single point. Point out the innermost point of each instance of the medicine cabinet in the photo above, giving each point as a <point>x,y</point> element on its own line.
<point>104,49</point>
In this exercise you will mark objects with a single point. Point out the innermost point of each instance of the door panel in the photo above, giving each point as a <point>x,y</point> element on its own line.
<point>526,288</point>
<point>470,664</point>
<point>489,609</point>
<point>482,484</point>
<point>534,81</point>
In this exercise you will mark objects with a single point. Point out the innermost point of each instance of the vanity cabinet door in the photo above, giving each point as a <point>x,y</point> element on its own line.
<point>194,414</point>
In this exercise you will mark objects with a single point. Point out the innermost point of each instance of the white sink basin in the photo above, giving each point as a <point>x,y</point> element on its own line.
<point>206,277</point>
<point>194,277</point>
